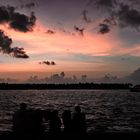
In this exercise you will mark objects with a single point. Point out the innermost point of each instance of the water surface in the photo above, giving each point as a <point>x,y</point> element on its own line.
<point>106,110</point>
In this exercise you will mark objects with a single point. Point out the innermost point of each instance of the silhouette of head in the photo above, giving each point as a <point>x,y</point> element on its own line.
<point>78,109</point>
<point>23,106</point>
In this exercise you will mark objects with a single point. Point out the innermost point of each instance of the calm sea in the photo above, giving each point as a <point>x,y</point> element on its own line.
<point>106,110</point>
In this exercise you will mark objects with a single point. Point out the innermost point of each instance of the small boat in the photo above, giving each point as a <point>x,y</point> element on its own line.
<point>135,88</point>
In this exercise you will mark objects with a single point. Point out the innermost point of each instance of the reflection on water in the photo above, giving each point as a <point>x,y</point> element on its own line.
<point>106,110</point>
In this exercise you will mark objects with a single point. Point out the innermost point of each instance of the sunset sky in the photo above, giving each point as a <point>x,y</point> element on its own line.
<point>82,36</point>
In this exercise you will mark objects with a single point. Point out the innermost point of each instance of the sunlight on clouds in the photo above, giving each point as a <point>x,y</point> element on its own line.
<point>66,50</point>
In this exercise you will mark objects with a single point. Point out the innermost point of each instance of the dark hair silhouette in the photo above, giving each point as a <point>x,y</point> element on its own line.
<point>78,109</point>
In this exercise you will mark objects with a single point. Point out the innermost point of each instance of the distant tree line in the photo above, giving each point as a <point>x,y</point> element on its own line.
<point>26,86</point>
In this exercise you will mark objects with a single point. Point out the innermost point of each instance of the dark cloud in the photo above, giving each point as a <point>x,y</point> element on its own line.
<point>5,15</point>
<point>104,28</point>
<point>110,21</point>
<point>80,31</point>
<point>17,21</point>
<point>48,63</point>
<point>106,25</point>
<point>50,32</point>
<point>121,13</point>
<point>53,63</point>
<point>128,16</point>
<point>109,6</point>
<point>23,23</point>
<point>45,62</point>
<point>5,47</point>
<point>19,53</point>
<point>85,17</point>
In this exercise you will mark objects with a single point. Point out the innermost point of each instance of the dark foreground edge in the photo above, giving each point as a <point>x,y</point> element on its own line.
<point>94,136</point>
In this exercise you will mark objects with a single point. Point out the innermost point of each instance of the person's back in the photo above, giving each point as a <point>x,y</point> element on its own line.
<point>78,121</point>
<point>66,116</point>
<point>19,119</point>
<point>55,122</point>
<point>37,120</point>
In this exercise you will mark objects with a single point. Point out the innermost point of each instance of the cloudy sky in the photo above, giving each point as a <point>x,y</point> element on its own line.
<point>85,36</point>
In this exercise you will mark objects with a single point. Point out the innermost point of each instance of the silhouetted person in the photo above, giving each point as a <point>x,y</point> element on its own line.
<point>55,122</point>
<point>67,121</point>
<point>78,121</point>
<point>37,121</point>
<point>19,119</point>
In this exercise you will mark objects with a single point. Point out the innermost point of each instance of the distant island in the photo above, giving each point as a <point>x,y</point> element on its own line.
<point>29,86</point>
